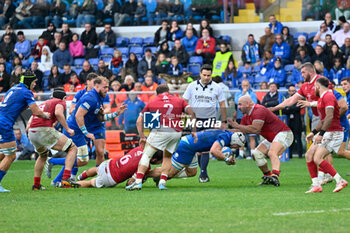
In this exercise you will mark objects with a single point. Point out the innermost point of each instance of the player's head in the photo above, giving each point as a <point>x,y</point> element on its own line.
<point>237,140</point>
<point>157,158</point>
<point>245,103</point>
<point>345,84</point>
<point>89,80</point>
<point>162,88</point>
<point>101,85</point>
<point>59,93</point>
<point>206,71</point>
<point>308,71</point>
<point>321,85</point>
<point>28,78</point>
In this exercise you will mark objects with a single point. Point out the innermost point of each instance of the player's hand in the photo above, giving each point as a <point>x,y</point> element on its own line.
<point>91,136</point>
<point>223,125</point>
<point>318,139</point>
<point>71,132</point>
<point>194,134</point>
<point>309,137</point>
<point>234,124</point>
<point>272,109</point>
<point>303,104</point>
<point>47,115</point>
<point>232,161</point>
<point>122,109</point>
<point>142,142</point>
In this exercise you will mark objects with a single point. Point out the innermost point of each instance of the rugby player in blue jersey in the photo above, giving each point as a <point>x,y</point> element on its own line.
<point>17,99</point>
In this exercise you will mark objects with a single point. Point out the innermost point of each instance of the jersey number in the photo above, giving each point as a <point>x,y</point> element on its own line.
<point>3,104</point>
<point>170,108</point>
<point>125,159</point>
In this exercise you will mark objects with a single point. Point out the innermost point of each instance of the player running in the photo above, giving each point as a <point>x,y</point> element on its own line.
<point>278,137</point>
<point>169,108</point>
<point>17,99</point>
<point>44,137</point>
<point>115,171</point>
<point>184,160</point>
<point>327,136</point>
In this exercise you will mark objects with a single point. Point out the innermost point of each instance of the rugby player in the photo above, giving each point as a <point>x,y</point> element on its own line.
<point>44,137</point>
<point>169,108</point>
<point>115,171</point>
<point>278,137</point>
<point>345,84</point>
<point>17,99</point>
<point>327,136</point>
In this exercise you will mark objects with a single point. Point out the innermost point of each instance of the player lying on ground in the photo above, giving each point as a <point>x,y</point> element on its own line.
<point>184,161</point>
<point>86,120</point>
<point>44,137</point>
<point>115,171</point>
<point>278,137</point>
<point>17,99</point>
<point>327,136</point>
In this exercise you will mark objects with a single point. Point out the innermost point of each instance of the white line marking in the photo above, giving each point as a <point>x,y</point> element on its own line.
<point>311,212</point>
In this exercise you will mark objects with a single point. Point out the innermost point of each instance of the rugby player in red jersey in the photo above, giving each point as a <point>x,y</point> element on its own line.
<point>166,137</point>
<point>278,136</point>
<point>327,136</point>
<point>115,171</point>
<point>44,137</point>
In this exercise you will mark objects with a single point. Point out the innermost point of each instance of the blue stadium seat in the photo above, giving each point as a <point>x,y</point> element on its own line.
<point>78,70</point>
<point>124,51</point>
<point>148,41</point>
<point>153,49</point>
<point>289,68</point>
<point>289,80</point>
<point>93,61</point>
<point>47,73</point>
<point>314,44</point>
<point>194,69</point>
<point>106,59</point>
<point>107,51</point>
<point>226,38</point>
<point>196,60</point>
<point>34,42</point>
<point>136,41</point>
<point>312,34</point>
<point>78,62</point>
<point>297,34</point>
<point>122,42</point>
<point>124,59</point>
<point>260,78</point>
<point>137,50</point>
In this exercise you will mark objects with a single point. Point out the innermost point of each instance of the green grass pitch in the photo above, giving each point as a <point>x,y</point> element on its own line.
<point>230,202</point>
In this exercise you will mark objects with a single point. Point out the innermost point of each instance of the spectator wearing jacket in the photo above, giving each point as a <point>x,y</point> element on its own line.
<point>62,56</point>
<point>38,48</point>
<point>148,62</point>
<point>128,10</point>
<point>337,72</point>
<point>302,55</point>
<point>103,70</point>
<point>273,97</point>
<point>76,48</point>
<point>111,7</point>
<point>149,85</point>
<point>162,65</point>
<point>175,69</point>
<point>180,52</point>
<point>39,11</point>
<point>6,48</point>
<point>65,76</point>
<point>176,10</point>
<point>86,13</point>
<point>302,43</point>
<point>107,37</point>
<point>230,76</point>
<point>140,12</point>
<point>22,11</point>
<point>49,34</point>
<point>174,33</point>
<point>321,56</point>
<point>162,34</point>
<point>346,48</point>
<point>23,46</point>
<point>252,51</point>
<point>189,42</point>
<point>221,59</point>
<point>54,78</point>
<point>88,37</point>
<point>7,9</point>
<point>275,26</point>
<point>296,72</point>
<point>57,9</point>
<point>281,49</point>
<point>206,47</point>
<point>277,74</point>
<point>267,40</point>
<point>162,10</point>
<point>129,117</point>
<point>4,79</point>
<point>320,70</point>
<point>87,69</point>
<point>66,34</point>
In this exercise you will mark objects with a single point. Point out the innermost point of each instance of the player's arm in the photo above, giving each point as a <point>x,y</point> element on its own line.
<point>107,108</point>
<point>343,107</point>
<point>139,125</point>
<point>59,113</point>
<point>223,112</point>
<point>38,112</point>
<point>29,122</point>
<point>71,108</point>
<point>192,114</point>
<point>254,128</point>
<point>115,114</point>
<point>288,102</point>
<point>79,116</point>
<point>215,150</point>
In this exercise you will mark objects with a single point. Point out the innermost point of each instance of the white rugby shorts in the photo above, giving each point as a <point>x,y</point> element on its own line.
<point>104,178</point>
<point>44,136</point>
<point>286,138</point>
<point>332,141</point>
<point>163,139</point>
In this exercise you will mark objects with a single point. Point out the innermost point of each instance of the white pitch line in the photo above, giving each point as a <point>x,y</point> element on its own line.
<point>310,212</point>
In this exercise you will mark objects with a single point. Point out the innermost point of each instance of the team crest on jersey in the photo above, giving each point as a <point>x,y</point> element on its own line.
<point>165,98</point>
<point>151,120</point>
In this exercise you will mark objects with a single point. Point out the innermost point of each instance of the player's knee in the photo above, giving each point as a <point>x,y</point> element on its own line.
<point>259,158</point>
<point>69,146</point>
<point>83,154</point>
<point>191,172</point>
<point>148,152</point>
<point>43,152</point>
<point>9,152</point>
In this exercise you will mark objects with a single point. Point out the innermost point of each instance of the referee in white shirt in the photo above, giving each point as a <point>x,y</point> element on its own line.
<point>203,96</point>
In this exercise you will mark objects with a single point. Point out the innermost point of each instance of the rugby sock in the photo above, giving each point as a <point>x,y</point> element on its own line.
<point>276,172</point>
<point>2,174</point>
<point>139,177</point>
<point>59,176</point>
<point>66,174</point>
<point>83,175</point>
<point>241,153</point>
<point>204,164</point>
<point>312,169</point>
<point>74,173</point>
<point>315,182</point>
<point>328,168</point>
<point>337,178</point>
<point>268,173</point>
<point>37,181</point>
<point>163,179</point>
<point>58,161</point>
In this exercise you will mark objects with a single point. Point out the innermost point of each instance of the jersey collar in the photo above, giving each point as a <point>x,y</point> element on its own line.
<point>250,112</point>
<point>204,87</point>
<point>313,79</point>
